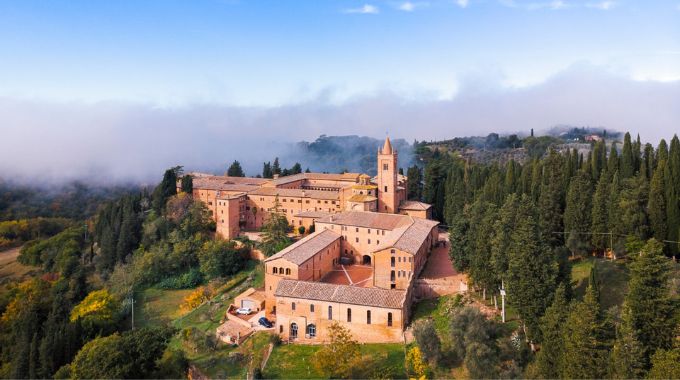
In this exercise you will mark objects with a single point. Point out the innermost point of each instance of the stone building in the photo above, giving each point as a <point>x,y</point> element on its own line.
<point>359,266</point>
<point>240,203</point>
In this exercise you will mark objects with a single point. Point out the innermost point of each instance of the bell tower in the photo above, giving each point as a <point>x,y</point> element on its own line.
<point>387,178</point>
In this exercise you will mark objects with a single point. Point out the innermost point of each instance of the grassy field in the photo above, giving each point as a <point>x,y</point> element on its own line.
<point>611,275</point>
<point>11,269</point>
<point>297,361</point>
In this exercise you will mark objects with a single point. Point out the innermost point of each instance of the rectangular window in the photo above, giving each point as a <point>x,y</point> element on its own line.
<point>392,262</point>
<point>368,317</point>
<point>357,240</point>
<point>389,319</point>
<point>369,241</point>
<point>386,167</point>
<point>385,191</point>
<point>311,308</point>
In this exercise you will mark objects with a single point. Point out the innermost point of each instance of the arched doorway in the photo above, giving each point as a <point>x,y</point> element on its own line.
<point>293,330</point>
<point>366,260</point>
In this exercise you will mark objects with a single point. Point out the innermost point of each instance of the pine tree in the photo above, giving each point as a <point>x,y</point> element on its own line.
<point>235,170</point>
<point>166,189</point>
<point>652,311</point>
<point>552,345</point>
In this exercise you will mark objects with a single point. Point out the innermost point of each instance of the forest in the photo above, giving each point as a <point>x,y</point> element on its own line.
<point>520,228</point>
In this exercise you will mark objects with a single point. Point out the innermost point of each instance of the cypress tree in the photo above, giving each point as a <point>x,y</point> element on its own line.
<point>166,189</point>
<point>532,269</point>
<point>188,184</point>
<point>627,356</point>
<point>656,207</point>
<point>276,168</point>
<point>551,200</point>
<point>267,170</point>
<point>577,213</point>
<point>613,161</point>
<point>651,308</point>
<point>503,229</point>
<point>647,165</point>
<point>415,183</point>
<point>587,340</point>
<point>34,358</point>
<point>600,213</point>
<point>552,345</point>
<point>459,247</point>
<point>662,151</point>
<point>672,180</point>
<point>627,159</point>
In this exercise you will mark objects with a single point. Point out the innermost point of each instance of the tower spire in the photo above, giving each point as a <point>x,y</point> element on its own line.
<point>387,147</point>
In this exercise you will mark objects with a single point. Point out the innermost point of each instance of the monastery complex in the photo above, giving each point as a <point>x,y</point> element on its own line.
<point>358,267</point>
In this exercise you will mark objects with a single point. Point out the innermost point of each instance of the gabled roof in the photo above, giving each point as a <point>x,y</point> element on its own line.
<point>312,214</point>
<point>355,295</point>
<point>368,219</point>
<point>306,248</point>
<point>226,183</point>
<point>296,193</point>
<point>414,205</point>
<point>362,198</point>
<point>409,238</point>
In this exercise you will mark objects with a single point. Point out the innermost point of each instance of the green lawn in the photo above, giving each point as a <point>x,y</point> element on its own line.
<point>156,307</point>
<point>296,361</point>
<point>438,309</point>
<point>611,275</point>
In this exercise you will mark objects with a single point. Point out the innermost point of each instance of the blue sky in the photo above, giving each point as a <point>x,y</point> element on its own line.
<point>271,53</point>
<point>122,89</point>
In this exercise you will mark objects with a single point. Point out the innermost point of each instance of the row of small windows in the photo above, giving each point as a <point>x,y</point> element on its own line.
<point>393,260</point>
<point>368,230</point>
<point>276,270</point>
<point>349,314</point>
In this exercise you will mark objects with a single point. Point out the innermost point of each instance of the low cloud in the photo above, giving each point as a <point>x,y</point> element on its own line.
<point>602,5</point>
<point>109,142</point>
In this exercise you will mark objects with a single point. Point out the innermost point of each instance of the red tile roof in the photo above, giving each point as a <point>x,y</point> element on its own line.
<point>392,299</point>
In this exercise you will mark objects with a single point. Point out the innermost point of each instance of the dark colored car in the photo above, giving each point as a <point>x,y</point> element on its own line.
<point>265,322</point>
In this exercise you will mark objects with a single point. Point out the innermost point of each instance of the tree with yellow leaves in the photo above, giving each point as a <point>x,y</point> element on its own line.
<point>98,307</point>
<point>341,355</point>
<point>415,363</point>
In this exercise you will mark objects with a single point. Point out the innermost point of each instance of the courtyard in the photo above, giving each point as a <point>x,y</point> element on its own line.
<point>355,275</point>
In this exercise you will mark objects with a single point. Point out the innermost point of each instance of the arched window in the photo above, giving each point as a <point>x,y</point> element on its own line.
<point>287,271</point>
<point>276,270</point>
<point>311,331</point>
<point>293,330</point>
<point>292,306</point>
<point>368,317</point>
<point>281,270</point>
<point>330,313</point>
<point>349,315</point>
<point>389,319</point>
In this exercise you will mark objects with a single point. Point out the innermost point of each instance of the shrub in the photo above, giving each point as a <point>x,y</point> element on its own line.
<point>301,230</point>
<point>187,280</point>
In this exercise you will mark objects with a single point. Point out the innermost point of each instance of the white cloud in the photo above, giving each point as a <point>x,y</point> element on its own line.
<point>116,141</point>
<point>407,7</point>
<point>553,5</point>
<point>462,3</point>
<point>603,5</point>
<point>365,9</point>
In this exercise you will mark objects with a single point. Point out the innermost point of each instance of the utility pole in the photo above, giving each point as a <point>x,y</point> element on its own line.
<point>132,302</point>
<point>503,301</point>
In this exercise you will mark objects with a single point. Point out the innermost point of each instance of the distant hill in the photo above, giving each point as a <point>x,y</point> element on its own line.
<point>334,154</point>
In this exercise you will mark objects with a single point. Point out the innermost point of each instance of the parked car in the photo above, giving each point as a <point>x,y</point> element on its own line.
<point>243,311</point>
<point>265,322</point>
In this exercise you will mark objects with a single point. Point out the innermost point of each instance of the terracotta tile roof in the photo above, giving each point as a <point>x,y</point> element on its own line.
<point>368,219</point>
<point>204,182</point>
<point>296,193</point>
<point>355,295</point>
<point>313,214</point>
<point>414,205</point>
<point>411,237</point>
<point>304,249</point>
<point>348,177</point>
<point>362,198</point>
